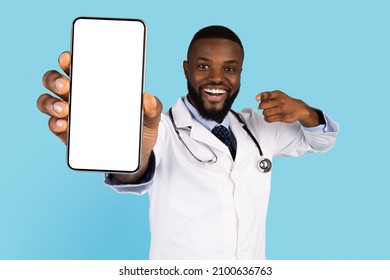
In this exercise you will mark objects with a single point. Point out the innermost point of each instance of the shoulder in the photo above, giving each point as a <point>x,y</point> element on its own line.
<point>249,113</point>
<point>252,117</point>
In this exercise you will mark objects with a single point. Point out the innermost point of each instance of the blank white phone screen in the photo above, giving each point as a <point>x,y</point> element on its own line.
<point>107,73</point>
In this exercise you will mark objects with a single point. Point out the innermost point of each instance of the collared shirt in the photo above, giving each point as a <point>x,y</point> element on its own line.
<point>209,124</point>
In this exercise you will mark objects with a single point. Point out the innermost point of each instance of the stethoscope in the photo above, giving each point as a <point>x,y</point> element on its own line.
<point>264,163</point>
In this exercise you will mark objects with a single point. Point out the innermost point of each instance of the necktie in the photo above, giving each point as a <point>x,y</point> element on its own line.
<point>223,134</point>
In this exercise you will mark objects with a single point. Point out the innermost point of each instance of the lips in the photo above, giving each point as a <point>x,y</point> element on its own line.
<point>214,95</point>
<point>214,91</point>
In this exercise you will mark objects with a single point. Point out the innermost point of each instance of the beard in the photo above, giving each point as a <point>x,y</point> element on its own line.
<point>210,114</point>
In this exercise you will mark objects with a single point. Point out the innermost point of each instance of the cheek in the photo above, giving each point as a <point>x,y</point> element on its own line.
<point>235,82</point>
<point>196,78</point>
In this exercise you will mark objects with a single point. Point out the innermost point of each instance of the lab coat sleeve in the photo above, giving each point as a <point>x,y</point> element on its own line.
<point>295,140</point>
<point>139,188</point>
<point>291,139</point>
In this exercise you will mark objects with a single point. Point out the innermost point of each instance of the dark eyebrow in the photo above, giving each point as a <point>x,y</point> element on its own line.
<point>230,61</point>
<point>203,58</point>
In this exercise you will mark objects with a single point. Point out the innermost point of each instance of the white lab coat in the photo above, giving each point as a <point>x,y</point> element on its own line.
<point>217,211</point>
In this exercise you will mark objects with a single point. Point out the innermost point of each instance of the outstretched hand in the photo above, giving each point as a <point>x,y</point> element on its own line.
<point>57,108</point>
<point>279,107</point>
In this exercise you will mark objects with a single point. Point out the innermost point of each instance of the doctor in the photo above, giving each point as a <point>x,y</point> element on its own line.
<point>208,185</point>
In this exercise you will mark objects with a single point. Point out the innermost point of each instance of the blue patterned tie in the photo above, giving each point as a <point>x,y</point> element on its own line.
<point>223,134</point>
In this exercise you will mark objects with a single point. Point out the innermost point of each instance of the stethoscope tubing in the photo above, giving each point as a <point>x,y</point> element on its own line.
<point>264,164</point>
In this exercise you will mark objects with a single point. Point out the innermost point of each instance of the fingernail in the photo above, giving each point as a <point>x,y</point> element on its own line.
<point>59,83</point>
<point>58,106</point>
<point>150,98</point>
<point>154,102</point>
<point>59,123</point>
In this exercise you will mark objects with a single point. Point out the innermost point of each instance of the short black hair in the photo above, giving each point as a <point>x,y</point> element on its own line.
<point>216,32</point>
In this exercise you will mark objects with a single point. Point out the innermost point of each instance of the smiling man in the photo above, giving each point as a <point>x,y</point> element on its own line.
<point>207,169</point>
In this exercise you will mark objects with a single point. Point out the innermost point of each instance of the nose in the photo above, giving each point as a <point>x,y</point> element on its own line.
<point>216,75</point>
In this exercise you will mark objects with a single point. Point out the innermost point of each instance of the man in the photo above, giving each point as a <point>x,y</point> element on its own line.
<point>208,199</point>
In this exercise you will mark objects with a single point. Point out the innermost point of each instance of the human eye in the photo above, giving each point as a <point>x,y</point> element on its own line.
<point>203,66</point>
<point>230,69</point>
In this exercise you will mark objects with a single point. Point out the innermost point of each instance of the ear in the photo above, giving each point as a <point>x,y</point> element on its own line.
<point>185,68</point>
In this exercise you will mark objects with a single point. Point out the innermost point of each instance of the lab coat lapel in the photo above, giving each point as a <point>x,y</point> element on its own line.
<point>183,119</point>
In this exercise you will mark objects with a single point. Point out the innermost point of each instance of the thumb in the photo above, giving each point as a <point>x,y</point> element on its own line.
<point>152,110</point>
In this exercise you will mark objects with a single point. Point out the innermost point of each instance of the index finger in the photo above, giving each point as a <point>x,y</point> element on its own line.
<point>268,95</point>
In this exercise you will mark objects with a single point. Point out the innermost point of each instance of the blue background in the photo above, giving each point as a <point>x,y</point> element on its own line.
<point>332,54</point>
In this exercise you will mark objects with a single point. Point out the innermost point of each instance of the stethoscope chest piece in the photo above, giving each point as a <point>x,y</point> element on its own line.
<point>265,165</point>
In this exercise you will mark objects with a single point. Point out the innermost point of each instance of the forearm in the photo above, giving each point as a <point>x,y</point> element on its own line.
<point>131,178</point>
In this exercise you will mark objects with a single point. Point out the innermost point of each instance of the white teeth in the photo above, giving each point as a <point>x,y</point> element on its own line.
<point>214,91</point>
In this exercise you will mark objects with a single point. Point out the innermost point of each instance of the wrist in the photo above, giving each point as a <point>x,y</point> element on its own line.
<point>312,117</point>
<point>131,178</point>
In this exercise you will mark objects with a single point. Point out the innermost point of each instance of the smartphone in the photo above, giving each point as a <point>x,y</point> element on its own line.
<point>106,90</point>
